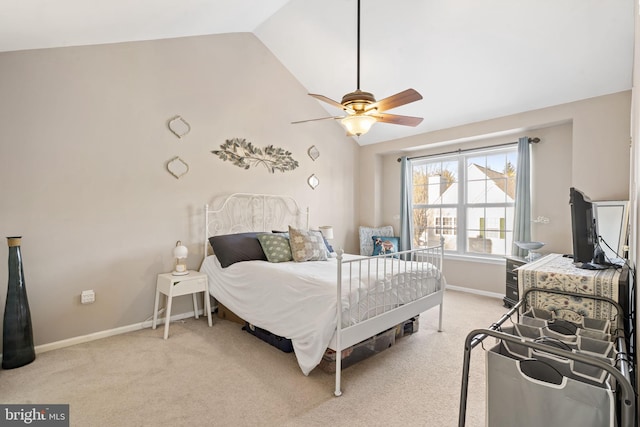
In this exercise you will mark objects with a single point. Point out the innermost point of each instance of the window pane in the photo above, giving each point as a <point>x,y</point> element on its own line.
<point>429,224</point>
<point>489,230</point>
<point>491,178</point>
<point>476,191</point>
<point>435,183</point>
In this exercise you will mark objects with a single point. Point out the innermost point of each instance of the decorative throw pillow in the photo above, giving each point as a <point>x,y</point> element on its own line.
<point>232,248</point>
<point>366,233</point>
<point>276,247</point>
<point>307,245</point>
<point>326,242</point>
<point>385,245</point>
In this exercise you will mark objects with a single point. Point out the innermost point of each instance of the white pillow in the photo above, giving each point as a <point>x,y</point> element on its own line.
<point>366,234</point>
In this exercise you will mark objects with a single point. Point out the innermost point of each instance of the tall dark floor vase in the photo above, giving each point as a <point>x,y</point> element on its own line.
<point>17,336</point>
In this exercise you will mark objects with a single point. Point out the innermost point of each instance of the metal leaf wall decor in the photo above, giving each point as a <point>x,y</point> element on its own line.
<point>244,154</point>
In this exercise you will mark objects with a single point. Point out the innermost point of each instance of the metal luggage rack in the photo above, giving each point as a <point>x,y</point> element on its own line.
<point>622,371</point>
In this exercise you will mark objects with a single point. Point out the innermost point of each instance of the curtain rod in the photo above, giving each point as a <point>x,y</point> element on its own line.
<point>459,150</point>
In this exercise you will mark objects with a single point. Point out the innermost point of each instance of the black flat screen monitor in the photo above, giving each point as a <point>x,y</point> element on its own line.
<point>583,226</point>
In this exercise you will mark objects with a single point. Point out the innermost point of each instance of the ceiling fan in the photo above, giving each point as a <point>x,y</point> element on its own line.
<point>362,108</point>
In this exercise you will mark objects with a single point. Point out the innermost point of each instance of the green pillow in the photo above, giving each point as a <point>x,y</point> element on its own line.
<point>276,247</point>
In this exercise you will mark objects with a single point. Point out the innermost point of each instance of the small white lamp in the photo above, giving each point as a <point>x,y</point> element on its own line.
<point>327,231</point>
<point>180,254</point>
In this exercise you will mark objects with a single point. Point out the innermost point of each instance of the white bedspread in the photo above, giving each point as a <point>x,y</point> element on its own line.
<point>298,300</point>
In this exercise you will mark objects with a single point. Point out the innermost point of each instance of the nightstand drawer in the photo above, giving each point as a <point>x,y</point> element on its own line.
<point>512,264</point>
<point>189,286</point>
<point>512,293</point>
<point>511,289</point>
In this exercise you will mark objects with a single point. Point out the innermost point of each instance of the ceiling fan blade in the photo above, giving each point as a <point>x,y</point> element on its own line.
<point>316,120</point>
<point>328,100</point>
<point>393,101</point>
<point>398,120</point>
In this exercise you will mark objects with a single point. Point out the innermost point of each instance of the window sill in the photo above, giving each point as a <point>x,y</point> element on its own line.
<point>496,260</point>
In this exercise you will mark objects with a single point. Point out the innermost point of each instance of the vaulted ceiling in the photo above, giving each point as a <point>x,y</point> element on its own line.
<point>471,60</point>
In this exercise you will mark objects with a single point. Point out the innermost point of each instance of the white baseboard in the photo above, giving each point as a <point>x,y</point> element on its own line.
<point>147,324</point>
<point>475,291</point>
<point>111,332</point>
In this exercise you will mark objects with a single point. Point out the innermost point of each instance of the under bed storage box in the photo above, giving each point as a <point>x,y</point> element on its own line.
<point>368,348</point>
<point>281,343</point>
<point>409,327</point>
<point>360,351</point>
<point>226,314</point>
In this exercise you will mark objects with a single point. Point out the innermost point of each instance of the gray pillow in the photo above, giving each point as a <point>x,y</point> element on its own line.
<point>366,235</point>
<point>232,248</point>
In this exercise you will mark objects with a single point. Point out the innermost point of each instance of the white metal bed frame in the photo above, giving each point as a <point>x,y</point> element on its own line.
<point>244,212</point>
<point>429,264</point>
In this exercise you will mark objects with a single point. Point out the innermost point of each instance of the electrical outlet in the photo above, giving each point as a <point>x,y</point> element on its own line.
<point>87,297</point>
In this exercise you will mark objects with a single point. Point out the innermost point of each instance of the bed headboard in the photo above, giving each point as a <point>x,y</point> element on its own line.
<point>244,212</point>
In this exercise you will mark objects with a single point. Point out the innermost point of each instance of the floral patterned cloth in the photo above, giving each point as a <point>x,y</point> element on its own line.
<point>554,271</point>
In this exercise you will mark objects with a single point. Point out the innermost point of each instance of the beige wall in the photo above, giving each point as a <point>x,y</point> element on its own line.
<point>85,143</point>
<point>83,151</point>
<point>583,144</point>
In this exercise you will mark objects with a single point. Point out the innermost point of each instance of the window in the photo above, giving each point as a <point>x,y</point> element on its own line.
<point>468,199</point>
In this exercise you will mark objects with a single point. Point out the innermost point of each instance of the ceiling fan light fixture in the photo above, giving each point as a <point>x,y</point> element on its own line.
<point>361,108</point>
<point>358,124</point>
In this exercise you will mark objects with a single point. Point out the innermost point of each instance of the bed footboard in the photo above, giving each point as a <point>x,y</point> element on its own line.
<point>384,291</point>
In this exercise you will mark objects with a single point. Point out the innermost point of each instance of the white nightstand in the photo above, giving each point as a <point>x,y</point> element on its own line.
<point>173,286</point>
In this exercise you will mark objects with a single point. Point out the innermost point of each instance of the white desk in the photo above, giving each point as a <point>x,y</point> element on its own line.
<point>173,286</point>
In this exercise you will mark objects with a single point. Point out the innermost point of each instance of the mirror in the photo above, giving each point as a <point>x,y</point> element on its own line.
<point>179,126</point>
<point>313,152</point>
<point>313,181</point>
<point>613,218</point>
<point>177,167</point>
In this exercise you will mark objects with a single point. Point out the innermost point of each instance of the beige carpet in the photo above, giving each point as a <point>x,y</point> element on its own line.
<point>222,376</point>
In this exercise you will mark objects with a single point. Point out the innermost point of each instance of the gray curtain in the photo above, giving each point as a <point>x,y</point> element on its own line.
<point>406,205</point>
<point>522,217</point>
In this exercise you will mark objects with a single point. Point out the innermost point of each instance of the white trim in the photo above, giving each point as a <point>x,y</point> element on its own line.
<point>475,291</point>
<point>109,333</point>
<point>495,260</point>
<point>147,324</point>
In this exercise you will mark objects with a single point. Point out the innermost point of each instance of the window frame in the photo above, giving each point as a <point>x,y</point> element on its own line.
<point>462,207</point>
